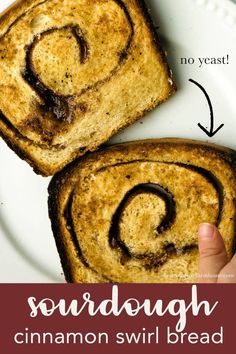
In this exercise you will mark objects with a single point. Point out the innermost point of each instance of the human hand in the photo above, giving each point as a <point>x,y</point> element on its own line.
<point>214,266</point>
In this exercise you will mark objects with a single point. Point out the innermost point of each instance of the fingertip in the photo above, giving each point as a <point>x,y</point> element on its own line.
<point>206,232</point>
<point>209,238</point>
<point>212,253</point>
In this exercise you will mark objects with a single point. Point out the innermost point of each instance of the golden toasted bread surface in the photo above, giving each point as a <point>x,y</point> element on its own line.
<point>75,72</point>
<point>131,212</point>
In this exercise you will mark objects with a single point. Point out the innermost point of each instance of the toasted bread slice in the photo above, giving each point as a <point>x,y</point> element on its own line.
<point>130,213</point>
<point>74,73</point>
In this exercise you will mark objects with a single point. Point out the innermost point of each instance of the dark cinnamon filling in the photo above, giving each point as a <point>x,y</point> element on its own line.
<point>150,260</point>
<point>11,127</point>
<point>70,227</point>
<point>124,53</point>
<point>60,105</point>
<point>115,240</point>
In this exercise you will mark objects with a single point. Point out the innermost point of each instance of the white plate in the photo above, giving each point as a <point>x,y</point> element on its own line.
<point>189,28</point>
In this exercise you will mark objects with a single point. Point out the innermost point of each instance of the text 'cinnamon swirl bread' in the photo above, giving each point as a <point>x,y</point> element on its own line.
<point>75,72</point>
<point>130,213</point>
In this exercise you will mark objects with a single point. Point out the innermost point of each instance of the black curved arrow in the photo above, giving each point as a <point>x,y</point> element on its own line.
<point>212,132</point>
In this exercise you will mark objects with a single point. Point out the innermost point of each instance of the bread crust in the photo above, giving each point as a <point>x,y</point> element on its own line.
<point>61,185</point>
<point>47,161</point>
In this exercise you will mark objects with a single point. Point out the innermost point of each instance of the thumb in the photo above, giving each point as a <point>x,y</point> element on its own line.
<point>213,256</point>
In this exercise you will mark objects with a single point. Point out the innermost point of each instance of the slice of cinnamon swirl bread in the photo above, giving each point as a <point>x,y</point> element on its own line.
<point>130,213</point>
<point>73,73</point>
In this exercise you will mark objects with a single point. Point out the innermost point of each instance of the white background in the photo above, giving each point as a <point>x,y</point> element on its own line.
<point>187,28</point>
